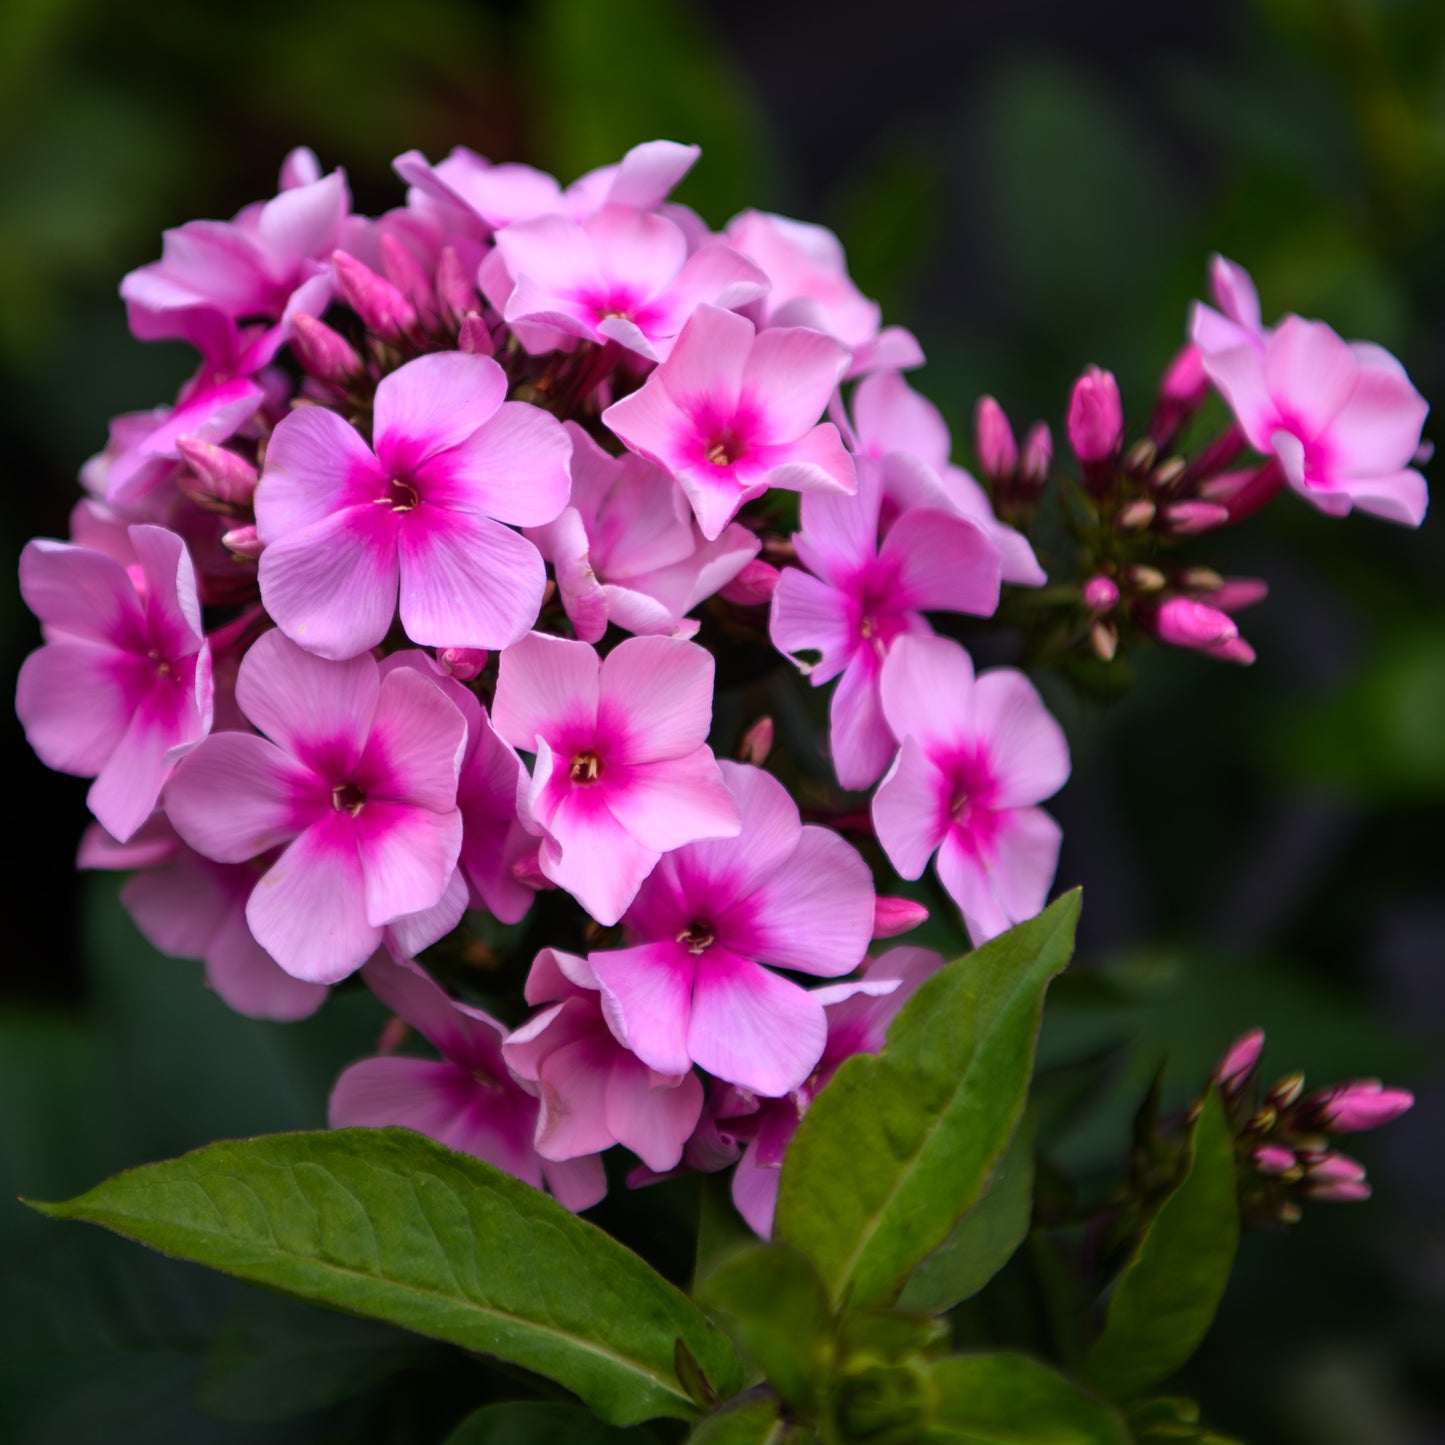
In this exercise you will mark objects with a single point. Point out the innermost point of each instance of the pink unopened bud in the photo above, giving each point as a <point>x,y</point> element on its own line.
<point>753,586</point>
<point>322,352</point>
<point>1236,593</point>
<point>1336,1169</point>
<point>993,439</point>
<point>1361,1104</point>
<point>379,304</point>
<point>892,916</point>
<point>1244,492</point>
<point>300,168</point>
<point>1101,594</point>
<point>1037,456</point>
<point>406,274</point>
<point>1239,1061</point>
<point>455,290</point>
<point>242,542</point>
<point>1186,519</point>
<point>1184,382</point>
<point>1096,417</point>
<point>1183,622</point>
<point>223,478</point>
<point>462,663</point>
<point>757,743</point>
<point>474,336</point>
<point>1273,1159</point>
<point>1346,1193</point>
<point>1136,515</point>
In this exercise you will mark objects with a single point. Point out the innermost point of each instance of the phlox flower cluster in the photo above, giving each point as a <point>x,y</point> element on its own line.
<point>395,644</point>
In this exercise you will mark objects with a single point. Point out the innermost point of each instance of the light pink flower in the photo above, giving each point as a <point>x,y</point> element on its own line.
<point>467,1100</point>
<point>693,989</point>
<point>1342,419</point>
<point>620,275</point>
<point>357,775</point>
<point>861,595</point>
<point>189,907</point>
<point>344,528</point>
<point>1237,322</point>
<point>623,771</point>
<point>732,412</point>
<point>810,286</point>
<point>594,1092</point>
<point>976,755</point>
<point>626,550</point>
<point>123,686</point>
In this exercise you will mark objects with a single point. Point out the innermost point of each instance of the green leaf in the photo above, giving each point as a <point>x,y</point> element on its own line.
<point>1164,1301</point>
<point>390,1225</point>
<point>770,1300</point>
<point>1012,1400</point>
<point>985,1239</point>
<point>753,1420</point>
<point>536,1422</point>
<point>901,1144</point>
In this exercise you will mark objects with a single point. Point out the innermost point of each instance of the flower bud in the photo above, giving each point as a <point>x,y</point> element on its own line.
<point>1186,519</point>
<point>406,274</point>
<point>1183,622</point>
<point>1336,1169</point>
<point>1232,594</point>
<point>1143,578</point>
<point>462,663</point>
<point>1349,1192</point>
<point>1104,639</point>
<point>379,304</point>
<point>993,439</point>
<point>1233,1071</point>
<point>322,352</point>
<point>1273,1159</point>
<point>474,336</point>
<point>455,290</point>
<point>1184,382</point>
<point>1101,594</point>
<point>1096,417</point>
<point>1135,516</point>
<point>1359,1104</point>
<point>753,586</point>
<point>223,478</point>
<point>757,743</point>
<point>1037,457</point>
<point>243,543</point>
<point>892,916</point>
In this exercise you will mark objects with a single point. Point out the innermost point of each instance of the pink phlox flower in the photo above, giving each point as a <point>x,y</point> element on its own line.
<point>733,411</point>
<point>623,772</point>
<point>858,1013</point>
<point>1237,321</point>
<point>626,550</point>
<point>1357,1105</point>
<point>859,595</point>
<point>811,287</point>
<point>123,687</point>
<point>594,1092</point>
<point>492,795</point>
<point>501,195</point>
<point>907,435</point>
<point>975,755</point>
<point>693,989</point>
<point>467,1099</point>
<point>356,775</point>
<point>620,275</point>
<point>346,529</point>
<point>189,907</point>
<point>269,261</point>
<point>1341,418</point>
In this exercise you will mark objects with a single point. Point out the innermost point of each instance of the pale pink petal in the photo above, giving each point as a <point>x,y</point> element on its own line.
<point>807,615</point>
<point>467,581</point>
<point>577,1184</point>
<point>546,686</point>
<point>74,703</point>
<point>652,424</point>
<point>891,417</point>
<point>590,854</point>
<point>895,348</point>
<point>715,497</point>
<point>648,172</point>
<point>1402,498</point>
<point>1026,859</point>
<point>910,810</point>
<point>127,788</point>
<point>840,532</point>
<point>564,543</point>
<point>414,749</point>
<point>466,1036</point>
<point>944,563</point>
<point>1238,372</point>
<point>752,1028</point>
<point>817,462</point>
<point>407,855</point>
<point>316,464</point>
<point>927,691</point>
<point>970,883</point>
<point>755,1191</point>
<point>1027,751</point>
<point>655,699</point>
<point>80,592</point>
<point>636,249</point>
<point>790,374</point>
<point>645,998</point>
<point>1377,430</point>
<point>410,934</point>
<point>331,587</point>
<point>664,805</point>
<point>1235,292</point>
<point>717,275</point>
<point>651,1117</point>
<point>861,741</point>
<point>309,910</point>
<point>556,974</point>
<point>516,468</point>
<point>573,1118</point>
<point>814,912</point>
<point>432,404</point>
<point>250,981</point>
<point>238,795</point>
<point>1310,373</point>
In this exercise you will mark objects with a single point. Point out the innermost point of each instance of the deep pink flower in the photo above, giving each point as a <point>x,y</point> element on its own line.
<point>357,775</point>
<point>810,286</point>
<point>467,1100</point>
<point>623,771</point>
<point>620,275</point>
<point>123,686</point>
<point>345,528</point>
<point>862,595</point>
<point>732,412</point>
<point>594,1092</point>
<point>693,989</point>
<point>626,550</point>
<point>1342,420</point>
<point>976,754</point>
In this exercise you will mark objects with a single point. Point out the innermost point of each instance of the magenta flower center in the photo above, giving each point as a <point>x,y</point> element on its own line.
<point>698,936</point>
<point>400,496</point>
<point>586,767</point>
<point>348,798</point>
<point>725,448</point>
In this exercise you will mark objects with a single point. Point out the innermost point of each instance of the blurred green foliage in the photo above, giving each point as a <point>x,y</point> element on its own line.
<point>1258,847</point>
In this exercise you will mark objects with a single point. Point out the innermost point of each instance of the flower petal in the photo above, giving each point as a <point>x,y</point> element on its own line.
<point>431,405</point>
<point>646,995</point>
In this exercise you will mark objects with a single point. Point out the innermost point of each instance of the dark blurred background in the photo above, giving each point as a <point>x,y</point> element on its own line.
<point>1030,188</point>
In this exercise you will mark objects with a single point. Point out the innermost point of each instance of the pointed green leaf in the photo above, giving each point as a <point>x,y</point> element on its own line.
<point>900,1145</point>
<point>539,1422</point>
<point>1164,1301</point>
<point>390,1225</point>
<point>1012,1400</point>
<point>753,1420</point>
<point>985,1239</point>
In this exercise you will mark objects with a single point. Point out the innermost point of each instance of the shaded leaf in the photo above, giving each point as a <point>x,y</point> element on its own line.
<point>538,1422</point>
<point>755,1420</point>
<point>1012,1400</point>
